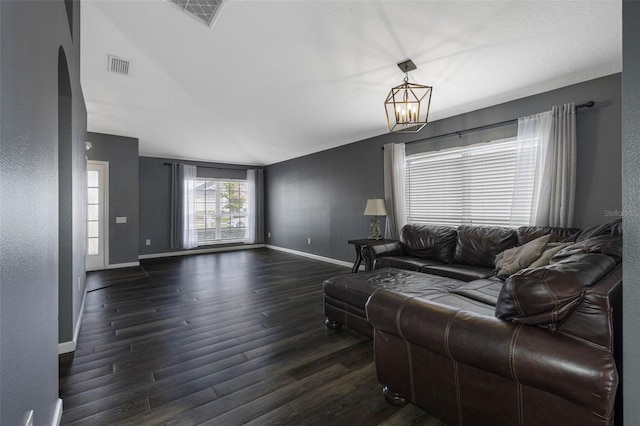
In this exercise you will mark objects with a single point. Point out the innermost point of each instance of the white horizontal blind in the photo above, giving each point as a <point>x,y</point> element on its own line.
<point>469,185</point>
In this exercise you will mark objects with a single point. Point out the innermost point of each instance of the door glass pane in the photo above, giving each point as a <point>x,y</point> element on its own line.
<point>92,246</point>
<point>93,196</point>
<point>93,178</point>
<point>93,229</point>
<point>93,212</point>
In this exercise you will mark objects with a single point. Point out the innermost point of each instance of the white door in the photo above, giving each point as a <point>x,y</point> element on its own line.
<point>97,208</point>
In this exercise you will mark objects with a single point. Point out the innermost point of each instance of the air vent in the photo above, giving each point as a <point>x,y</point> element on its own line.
<point>118,65</point>
<point>203,10</point>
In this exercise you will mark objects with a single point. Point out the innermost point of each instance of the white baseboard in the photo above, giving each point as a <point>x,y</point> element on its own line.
<point>66,347</point>
<point>314,256</point>
<point>122,265</point>
<point>114,266</point>
<point>200,251</point>
<point>57,415</point>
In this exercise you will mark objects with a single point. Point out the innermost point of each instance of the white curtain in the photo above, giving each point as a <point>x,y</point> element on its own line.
<point>534,133</point>
<point>189,231</point>
<point>557,195</point>
<point>394,189</point>
<point>553,158</point>
<point>251,217</point>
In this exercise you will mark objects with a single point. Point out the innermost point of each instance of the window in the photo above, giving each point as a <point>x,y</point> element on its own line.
<point>221,210</point>
<point>471,185</point>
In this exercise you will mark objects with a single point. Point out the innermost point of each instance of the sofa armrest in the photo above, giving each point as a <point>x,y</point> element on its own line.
<point>371,253</point>
<point>389,249</point>
<point>582,373</point>
<point>597,319</point>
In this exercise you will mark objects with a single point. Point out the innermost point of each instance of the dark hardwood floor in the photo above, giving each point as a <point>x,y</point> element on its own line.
<point>222,339</point>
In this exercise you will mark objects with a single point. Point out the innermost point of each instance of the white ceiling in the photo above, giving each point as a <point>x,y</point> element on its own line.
<point>274,80</point>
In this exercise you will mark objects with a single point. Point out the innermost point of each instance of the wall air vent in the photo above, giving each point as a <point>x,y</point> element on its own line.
<point>118,65</point>
<point>203,10</point>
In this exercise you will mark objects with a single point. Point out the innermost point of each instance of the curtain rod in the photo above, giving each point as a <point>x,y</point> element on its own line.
<point>217,168</point>
<point>588,104</point>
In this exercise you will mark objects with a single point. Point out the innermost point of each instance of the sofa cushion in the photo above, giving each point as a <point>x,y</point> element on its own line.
<point>479,245</point>
<point>529,233</point>
<point>610,245</point>
<point>514,259</point>
<point>546,296</point>
<point>429,241</point>
<point>403,262</point>
<point>484,290</point>
<point>355,289</point>
<point>459,272</point>
<point>612,228</point>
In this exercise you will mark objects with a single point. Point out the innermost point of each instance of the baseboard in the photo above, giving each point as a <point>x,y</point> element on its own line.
<point>114,266</point>
<point>200,251</point>
<point>57,415</point>
<point>314,256</point>
<point>66,347</point>
<point>122,265</point>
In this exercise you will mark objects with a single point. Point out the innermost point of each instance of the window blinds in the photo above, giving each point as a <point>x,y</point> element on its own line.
<point>473,185</point>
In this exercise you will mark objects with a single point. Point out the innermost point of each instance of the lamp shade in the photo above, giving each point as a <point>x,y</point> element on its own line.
<point>375,207</point>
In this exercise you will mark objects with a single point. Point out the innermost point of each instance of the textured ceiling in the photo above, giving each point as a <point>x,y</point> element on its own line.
<point>274,80</point>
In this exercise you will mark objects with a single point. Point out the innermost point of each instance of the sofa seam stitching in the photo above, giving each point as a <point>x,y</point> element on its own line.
<point>409,359</point>
<point>512,369</point>
<point>455,366</point>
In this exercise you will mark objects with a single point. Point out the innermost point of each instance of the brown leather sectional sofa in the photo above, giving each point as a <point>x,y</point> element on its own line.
<point>536,347</point>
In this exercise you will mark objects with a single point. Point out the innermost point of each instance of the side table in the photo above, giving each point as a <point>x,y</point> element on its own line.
<point>359,244</point>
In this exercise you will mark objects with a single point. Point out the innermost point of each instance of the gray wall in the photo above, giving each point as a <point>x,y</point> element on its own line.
<point>631,193</point>
<point>72,183</point>
<point>122,154</point>
<point>31,34</point>
<point>155,198</point>
<point>323,195</point>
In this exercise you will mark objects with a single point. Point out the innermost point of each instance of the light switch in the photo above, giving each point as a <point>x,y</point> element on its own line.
<point>121,219</point>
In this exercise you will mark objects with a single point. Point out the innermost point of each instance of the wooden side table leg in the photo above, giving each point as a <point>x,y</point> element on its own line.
<point>367,258</point>
<point>358,261</point>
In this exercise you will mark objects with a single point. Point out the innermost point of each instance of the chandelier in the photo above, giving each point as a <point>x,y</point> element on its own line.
<point>407,105</point>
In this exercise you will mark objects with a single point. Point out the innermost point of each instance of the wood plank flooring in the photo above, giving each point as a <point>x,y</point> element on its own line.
<point>221,339</point>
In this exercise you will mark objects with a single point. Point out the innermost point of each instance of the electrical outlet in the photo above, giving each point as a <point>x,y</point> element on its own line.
<point>268,234</point>
<point>147,242</point>
<point>79,284</point>
<point>309,240</point>
<point>29,420</point>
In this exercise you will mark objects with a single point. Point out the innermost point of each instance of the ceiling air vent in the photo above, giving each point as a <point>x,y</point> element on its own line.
<point>203,10</point>
<point>118,65</point>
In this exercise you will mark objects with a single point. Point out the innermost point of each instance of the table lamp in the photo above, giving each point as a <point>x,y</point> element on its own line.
<point>375,207</point>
